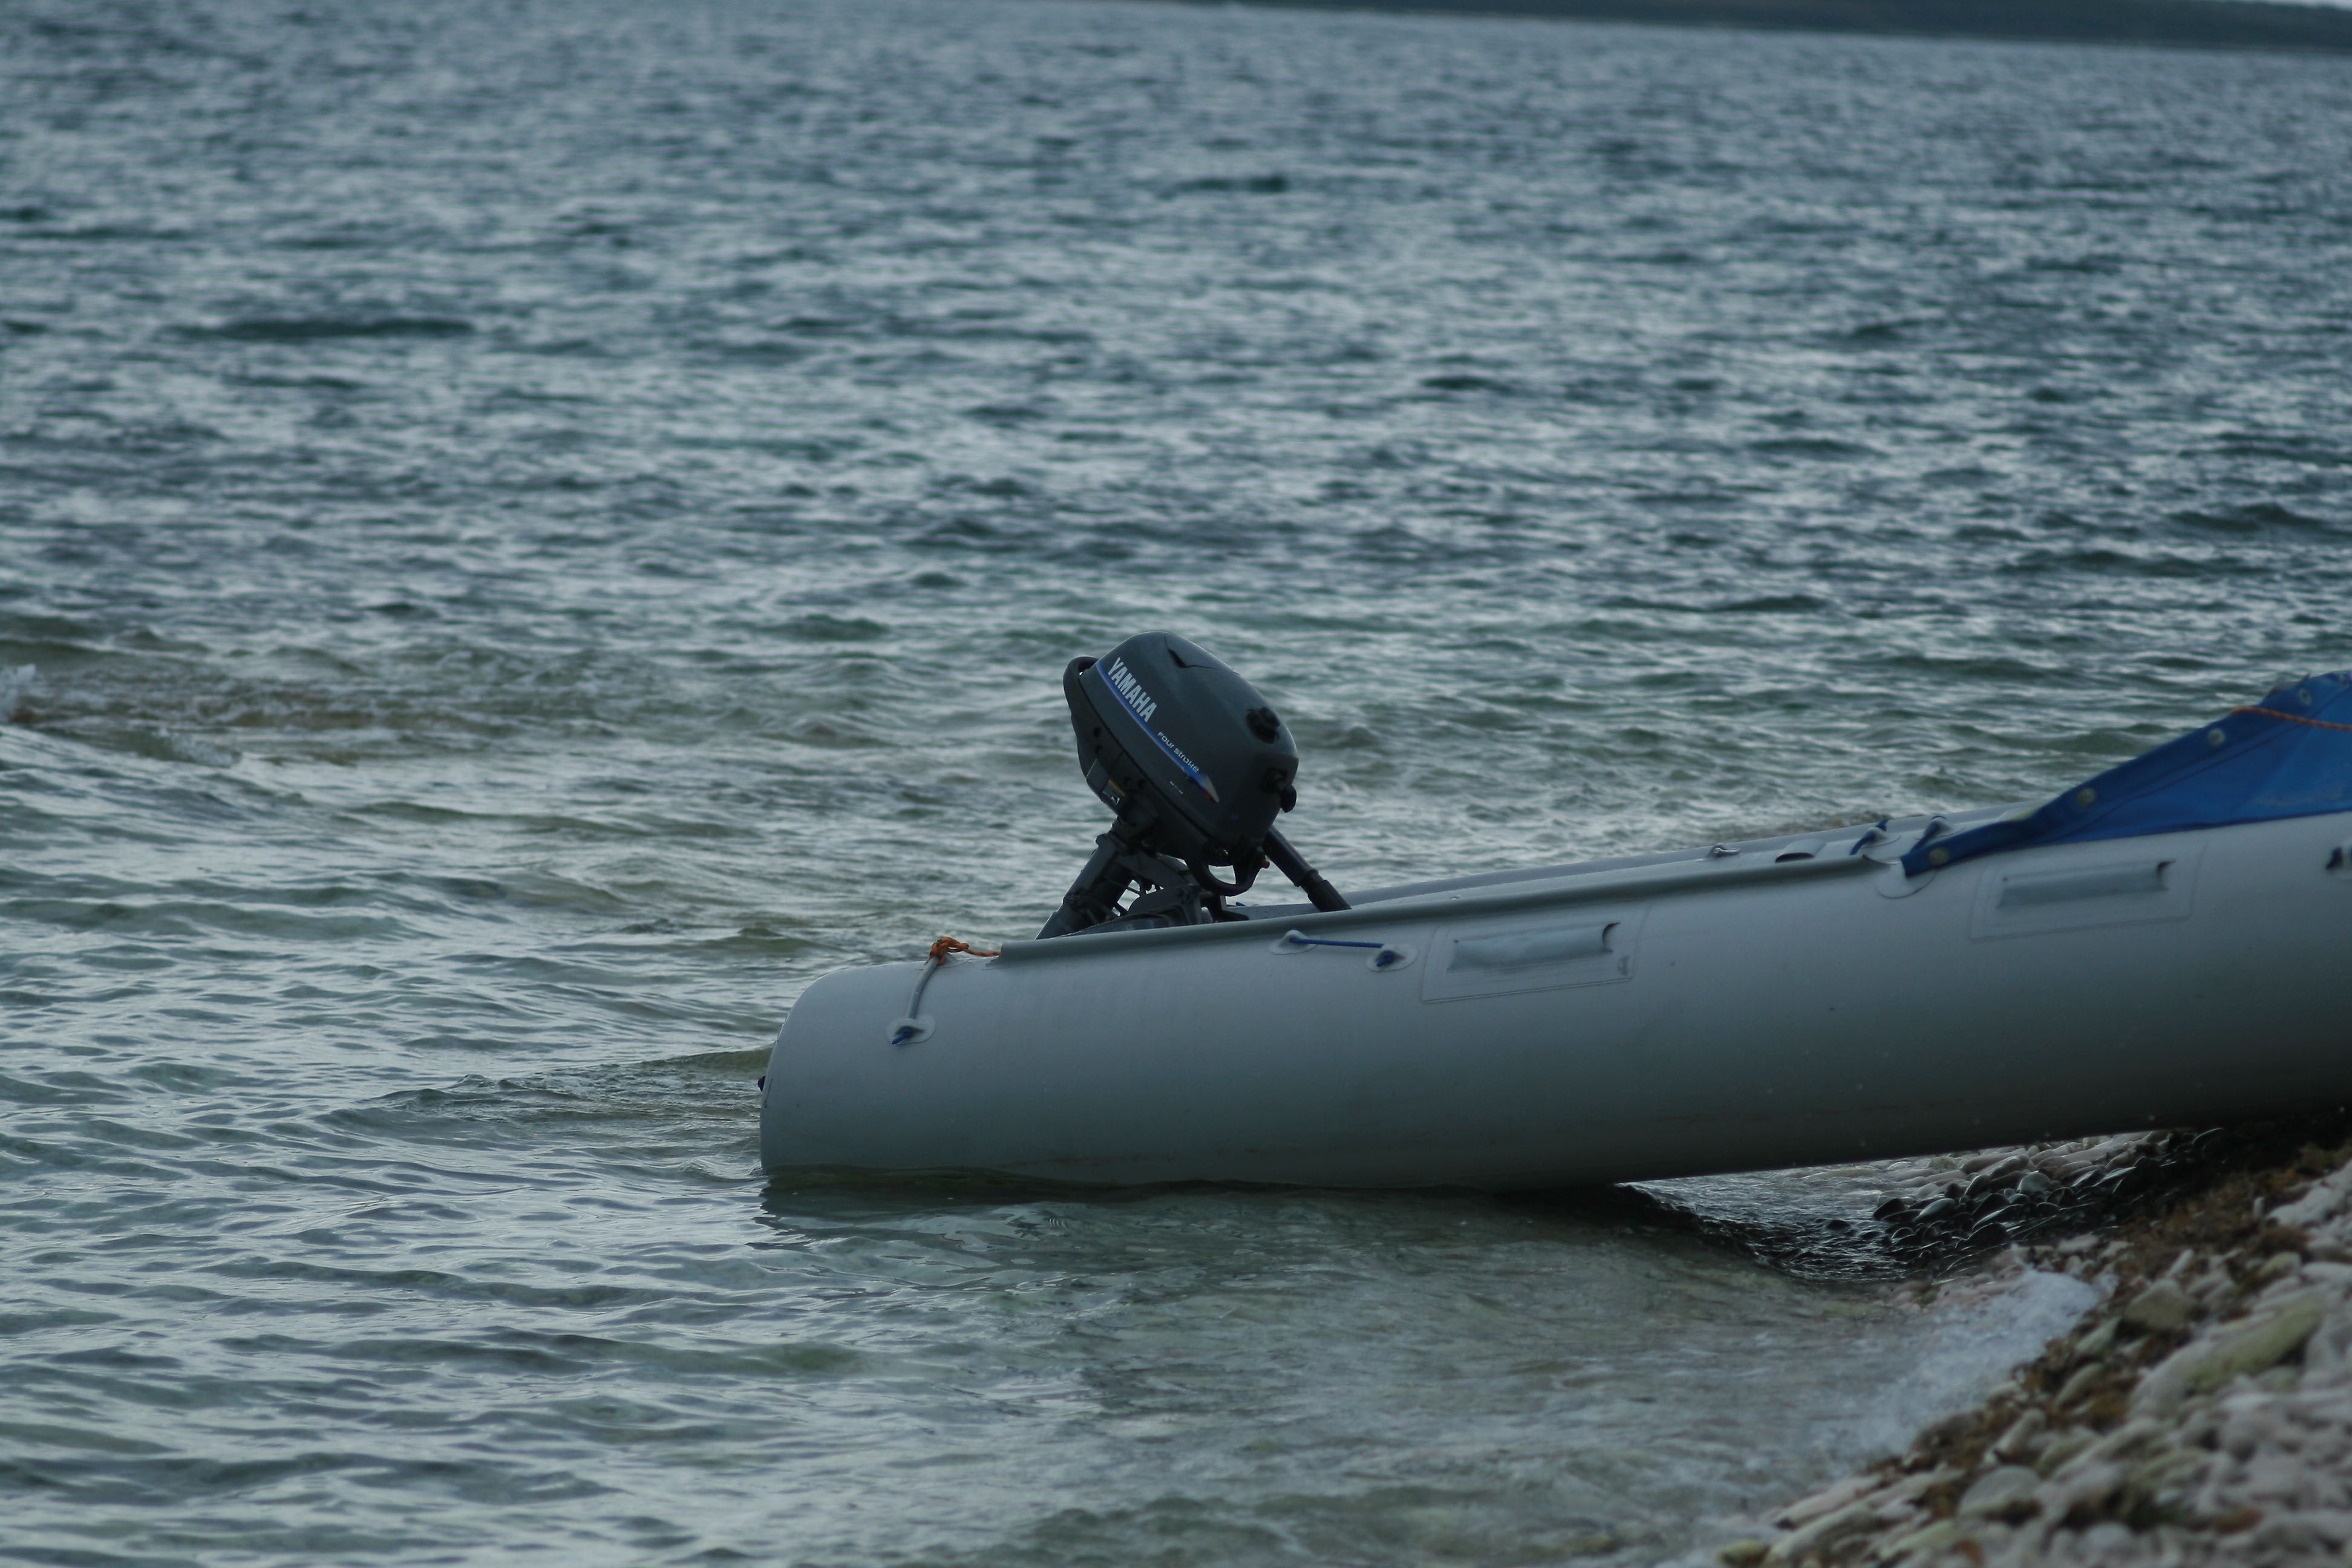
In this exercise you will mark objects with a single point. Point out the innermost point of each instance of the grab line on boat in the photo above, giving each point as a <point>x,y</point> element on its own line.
<point>912,1026</point>
<point>1383,954</point>
<point>2291,718</point>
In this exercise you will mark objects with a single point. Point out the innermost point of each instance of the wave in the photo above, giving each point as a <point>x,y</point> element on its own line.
<point>321,329</point>
<point>2261,517</point>
<point>14,686</point>
<point>1234,185</point>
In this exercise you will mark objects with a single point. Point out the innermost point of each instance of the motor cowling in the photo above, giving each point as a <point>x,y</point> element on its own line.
<point>1166,730</point>
<point>1197,766</point>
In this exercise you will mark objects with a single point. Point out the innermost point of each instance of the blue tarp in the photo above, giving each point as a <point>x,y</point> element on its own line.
<point>2288,755</point>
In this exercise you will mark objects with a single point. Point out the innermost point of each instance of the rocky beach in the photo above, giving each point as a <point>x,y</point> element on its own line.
<point>2201,1414</point>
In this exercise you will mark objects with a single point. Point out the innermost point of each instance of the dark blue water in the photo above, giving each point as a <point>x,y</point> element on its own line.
<point>528,532</point>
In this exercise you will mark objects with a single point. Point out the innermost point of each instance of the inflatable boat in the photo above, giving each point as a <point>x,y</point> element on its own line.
<point>2162,944</point>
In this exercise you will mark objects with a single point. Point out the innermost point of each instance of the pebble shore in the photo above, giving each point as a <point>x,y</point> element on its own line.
<point>2201,1414</point>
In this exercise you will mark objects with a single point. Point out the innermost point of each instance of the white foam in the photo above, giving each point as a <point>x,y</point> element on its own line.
<point>1972,1344</point>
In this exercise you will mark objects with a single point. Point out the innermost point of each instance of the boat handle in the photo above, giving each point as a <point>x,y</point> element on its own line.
<point>2098,883</point>
<point>1534,947</point>
<point>1384,956</point>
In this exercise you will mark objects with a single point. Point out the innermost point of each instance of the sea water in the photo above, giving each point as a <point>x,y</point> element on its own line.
<point>529,532</point>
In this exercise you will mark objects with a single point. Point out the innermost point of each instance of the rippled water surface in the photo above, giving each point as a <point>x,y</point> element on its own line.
<point>529,532</point>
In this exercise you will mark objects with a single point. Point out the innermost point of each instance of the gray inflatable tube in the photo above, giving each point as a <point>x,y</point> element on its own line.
<point>1785,1002</point>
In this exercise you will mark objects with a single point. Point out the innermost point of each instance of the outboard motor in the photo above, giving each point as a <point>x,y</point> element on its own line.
<point>1196,766</point>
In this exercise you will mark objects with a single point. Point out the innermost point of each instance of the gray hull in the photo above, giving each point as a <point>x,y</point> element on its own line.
<point>1791,1003</point>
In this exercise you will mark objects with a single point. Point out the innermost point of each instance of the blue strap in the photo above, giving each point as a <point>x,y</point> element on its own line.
<point>1383,955</point>
<point>1876,834</point>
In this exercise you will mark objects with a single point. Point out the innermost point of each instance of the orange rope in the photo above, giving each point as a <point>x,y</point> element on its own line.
<point>948,944</point>
<point>2291,718</point>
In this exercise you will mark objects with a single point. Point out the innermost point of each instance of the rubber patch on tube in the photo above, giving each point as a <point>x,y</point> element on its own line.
<point>2102,888</point>
<point>1517,950</point>
<point>1531,952</point>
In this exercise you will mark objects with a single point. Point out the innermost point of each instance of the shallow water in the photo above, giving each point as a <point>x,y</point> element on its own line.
<point>529,534</point>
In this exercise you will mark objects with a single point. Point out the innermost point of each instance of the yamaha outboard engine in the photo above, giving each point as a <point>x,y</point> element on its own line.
<point>1196,766</point>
